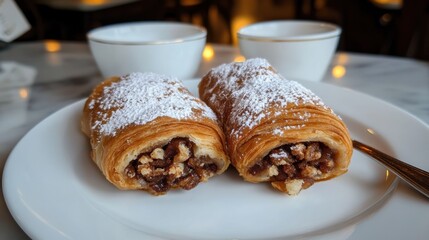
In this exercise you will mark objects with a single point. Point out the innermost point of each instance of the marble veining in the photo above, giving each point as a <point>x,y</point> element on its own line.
<point>399,81</point>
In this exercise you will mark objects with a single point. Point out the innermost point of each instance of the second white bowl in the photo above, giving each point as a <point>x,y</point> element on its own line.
<point>299,50</point>
<point>169,48</point>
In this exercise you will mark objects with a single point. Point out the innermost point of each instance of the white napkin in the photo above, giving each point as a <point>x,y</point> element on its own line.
<point>12,21</point>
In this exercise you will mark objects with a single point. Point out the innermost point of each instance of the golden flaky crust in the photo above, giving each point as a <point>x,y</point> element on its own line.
<point>260,111</point>
<point>155,120</point>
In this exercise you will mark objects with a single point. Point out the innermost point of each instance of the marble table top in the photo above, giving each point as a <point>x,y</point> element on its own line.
<point>66,73</point>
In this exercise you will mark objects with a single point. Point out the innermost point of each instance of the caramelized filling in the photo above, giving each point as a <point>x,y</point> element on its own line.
<point>306,161</point>
<point>171,166</point>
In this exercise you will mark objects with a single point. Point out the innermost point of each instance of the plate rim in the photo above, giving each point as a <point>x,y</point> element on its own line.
<point>377,205</point>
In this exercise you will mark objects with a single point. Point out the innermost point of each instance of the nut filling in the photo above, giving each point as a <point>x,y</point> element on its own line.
<point>171,166</point>
<point>305,161</point>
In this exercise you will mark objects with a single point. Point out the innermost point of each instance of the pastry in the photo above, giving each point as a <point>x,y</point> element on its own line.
<point>148,132</point>
<point>277,131</point>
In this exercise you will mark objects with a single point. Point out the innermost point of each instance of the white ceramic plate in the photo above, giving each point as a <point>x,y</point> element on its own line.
<point>54,191</point>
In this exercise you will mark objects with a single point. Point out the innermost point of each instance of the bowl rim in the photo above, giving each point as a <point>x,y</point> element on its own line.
<point>335,31</point>
<point>201,33</point>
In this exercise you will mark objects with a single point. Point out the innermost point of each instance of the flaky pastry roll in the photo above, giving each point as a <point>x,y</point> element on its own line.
<point>277,131</point>
<point>148,132</point>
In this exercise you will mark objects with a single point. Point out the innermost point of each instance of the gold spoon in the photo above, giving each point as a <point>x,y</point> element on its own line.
<point>416,177</point>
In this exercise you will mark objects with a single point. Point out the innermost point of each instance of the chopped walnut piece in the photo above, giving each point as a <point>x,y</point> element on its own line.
<point>273,171</point>
<point>279,157</point>
<point>298,151</point>
<point>326,165</point>
<point>155,175</point>
<point>176,169</point>
<point>311,172</point>
<point>157,153</point>
<point>183,153</point>
<point>313,152</point>
<point>144,169</point>
<point>189,181</point>
<point>330,164</point>
<point>142,182</point>
<point>209,170</point>
<point>145,159</point>
<point>293,186</point>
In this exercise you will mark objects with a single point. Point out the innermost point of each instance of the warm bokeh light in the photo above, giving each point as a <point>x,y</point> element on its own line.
<point>52,46</point>
<point>387,174</point>
<point>370,131</point>
<point>208,52</point>
<point>190,2</point>
<point>388,2</point>
<point>385,19</point>
<point>23,93</point>
<point>342,58</point>
<point>338,71</point>
<point>239,22</point>
<point>239,59</point>
<point>93,2</point>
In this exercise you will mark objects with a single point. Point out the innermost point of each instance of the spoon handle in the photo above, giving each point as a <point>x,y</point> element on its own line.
<point>416,177</point>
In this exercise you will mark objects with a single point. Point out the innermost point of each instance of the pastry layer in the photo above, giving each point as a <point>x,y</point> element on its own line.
<point>148,132</point>
<point>264,115</point>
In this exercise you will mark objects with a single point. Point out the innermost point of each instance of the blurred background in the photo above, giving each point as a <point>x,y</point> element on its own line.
<point>389,27</point>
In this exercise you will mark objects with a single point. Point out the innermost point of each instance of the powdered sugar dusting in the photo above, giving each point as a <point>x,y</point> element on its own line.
<point>139,98</point>
<point>278,132</point>
<point>280,154</point>
<point>263,89</point>
<point>281,130</point>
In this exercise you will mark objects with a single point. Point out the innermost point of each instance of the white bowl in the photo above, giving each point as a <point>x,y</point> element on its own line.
<point>169,48</point>
<point>299,50</point>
